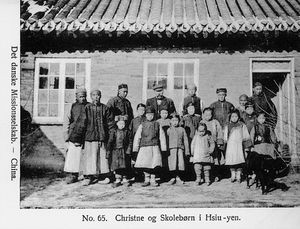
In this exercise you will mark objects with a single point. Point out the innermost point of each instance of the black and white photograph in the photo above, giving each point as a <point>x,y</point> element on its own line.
<point>157,104</point>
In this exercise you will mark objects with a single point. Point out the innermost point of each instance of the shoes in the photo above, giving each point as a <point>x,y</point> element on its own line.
<point>88,181</point>
<point>105,181</point>
<point>217,179</point>
<point>232,180</point>
<point>116,184</point>
<point>154,184</point>
<point>201,180</point>
<point>207,183</point>
<point>172,181</point>
<point>145,184</point>
<point>197,182</point>
<point>72,179</point>
<point>179,181</point>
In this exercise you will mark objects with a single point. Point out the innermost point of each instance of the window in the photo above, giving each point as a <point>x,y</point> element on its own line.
<point>175,74</point>
<point>56,81</point>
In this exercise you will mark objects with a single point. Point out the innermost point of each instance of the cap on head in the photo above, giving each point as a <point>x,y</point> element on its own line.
<point>150,109</point>
<point>122,86</point>
<point>81,91</point>
<point>221,90</point>
<point>97,91</point>
<point>192,86</point>
<point>158,87</point>
<point>257,84</point>
<point>190,104</point>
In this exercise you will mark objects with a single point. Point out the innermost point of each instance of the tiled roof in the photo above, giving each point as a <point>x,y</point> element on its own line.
<point>160,16</point>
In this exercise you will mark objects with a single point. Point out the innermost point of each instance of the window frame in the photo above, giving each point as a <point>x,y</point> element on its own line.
<point>61,89</point>
<point>170,76</point>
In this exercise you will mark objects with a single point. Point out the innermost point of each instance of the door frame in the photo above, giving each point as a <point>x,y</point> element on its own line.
<point>291,81</point>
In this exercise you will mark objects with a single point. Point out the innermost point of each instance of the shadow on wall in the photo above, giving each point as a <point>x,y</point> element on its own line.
<point>38,154</point>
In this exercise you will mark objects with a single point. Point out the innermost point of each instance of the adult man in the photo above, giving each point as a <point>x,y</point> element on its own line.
<point>264,104</point>
<point>119,105</point>
<point>160,101</point>
<point>222,108</point>
<point>192,98</point>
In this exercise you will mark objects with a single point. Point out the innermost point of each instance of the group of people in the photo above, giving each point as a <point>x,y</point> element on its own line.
<point>109,145</point>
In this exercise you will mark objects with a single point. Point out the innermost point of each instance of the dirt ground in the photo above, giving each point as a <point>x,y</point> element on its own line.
<point>57,194</point>
<point>43,186</point>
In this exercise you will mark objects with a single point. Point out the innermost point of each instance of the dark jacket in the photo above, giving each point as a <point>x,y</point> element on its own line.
<point>249,120</point>
<point>263,134</point>
<point>264,104</point>
<point>120,106</point>
<point>135,123</point>
<point>221,111</point>
<point>190,124</point>
<point>99,122</point>
<point>165,102</point>
<point>195,100</point>
<point>150,134</point>
<point>76,123</point>
<point>119,139</point>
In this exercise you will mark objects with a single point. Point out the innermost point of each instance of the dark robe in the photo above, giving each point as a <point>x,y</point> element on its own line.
<point>165,103</point>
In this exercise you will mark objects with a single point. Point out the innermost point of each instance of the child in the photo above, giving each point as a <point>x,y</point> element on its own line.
<point>215,129</point>
<point>222,108</point>
<point>137,121</point>
<point>191,121</point>
<point>202,148</point>
<point>118,152</point>
<point>99,121</point>
<point>164,123</point>
<point>74,135</point>
<point>238,140</point>
<point>263,137</point>
<point>149,141</point>
<point>178,146</point>
<point>192,98</point>
<point>243,99</point>
<point>249,117</point>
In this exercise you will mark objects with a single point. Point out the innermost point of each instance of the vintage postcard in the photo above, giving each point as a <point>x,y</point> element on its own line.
<point>150,113</point>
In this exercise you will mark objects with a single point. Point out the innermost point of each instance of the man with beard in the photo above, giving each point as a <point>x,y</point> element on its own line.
<point>160,101</point>
<point>119,105</point>
<point>263,103</point>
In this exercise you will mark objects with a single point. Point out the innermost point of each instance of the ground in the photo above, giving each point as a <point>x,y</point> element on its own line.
<point>43,186</point>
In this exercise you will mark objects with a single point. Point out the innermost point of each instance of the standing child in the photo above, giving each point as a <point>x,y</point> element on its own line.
<point>137,121</point>
<point>263,137</point>
<point>118,152</point>
<point>74,135</point>
<point>149,141</point>
<point>192,98</point>
<point>99,121</point>
<point>164,123</point>
<point>202,148</point>
<point>179,148</point>
<point>222,108</point>
<point>215,129</point>
<point>249,117</point>
<point>191,121</point>
<point>238,141</point>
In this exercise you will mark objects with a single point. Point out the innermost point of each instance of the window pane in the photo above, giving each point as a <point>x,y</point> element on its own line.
<point>54,69</point>
<point>80,82</point>
<point>43,96</point>
<point>162,69</point>
<point>178,83</point>
<point>70,82</point>
<point>43,82</point>
<point>54,82</point>
<point>70,69</point>
<point>53,110</point>
<point>150,82</point>
<point>151,69</point>
<point>42,110</point>
<point>178,69</point>
<point>80,69</point>
<point>189,69</point>
<point>53,96</point>
<point>44,68</point>
<point>69,96</point>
